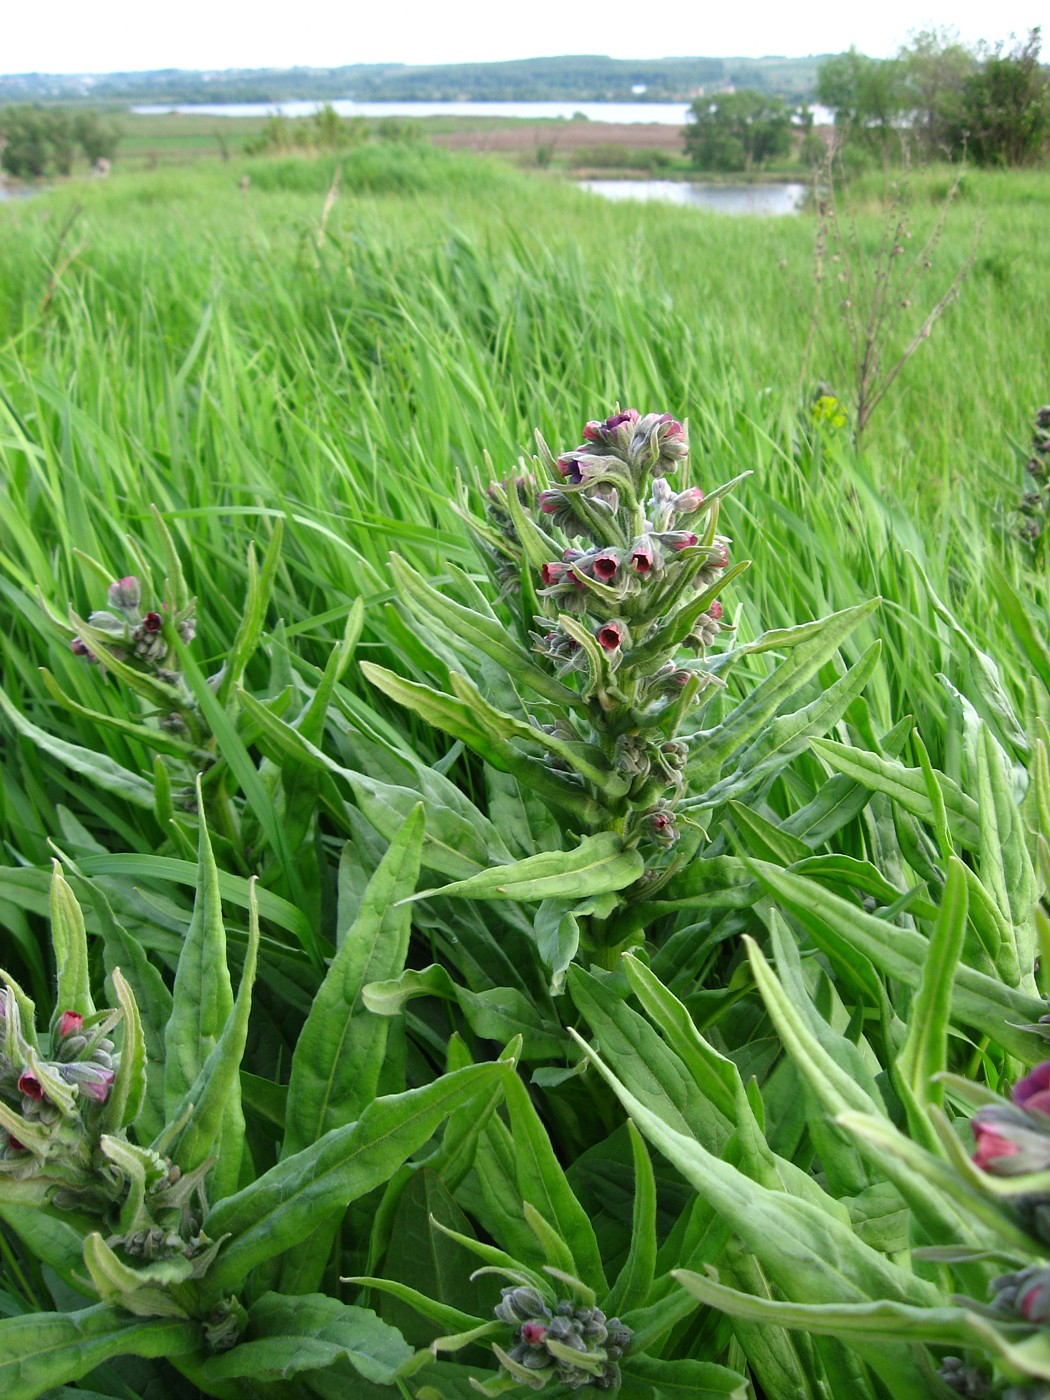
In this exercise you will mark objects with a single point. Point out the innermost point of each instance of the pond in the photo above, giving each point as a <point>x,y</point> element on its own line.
<point>778,199</point>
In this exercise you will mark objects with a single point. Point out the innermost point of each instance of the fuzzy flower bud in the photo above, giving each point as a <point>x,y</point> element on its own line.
<point>92,1080</point>
<point>615,431</point>
<point>519,1305</point>
<point>125,594</point>
<point>687,502</point>
<point>70,1023</point>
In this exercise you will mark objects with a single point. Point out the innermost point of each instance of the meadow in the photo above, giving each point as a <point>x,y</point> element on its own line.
<point>751,1062</point>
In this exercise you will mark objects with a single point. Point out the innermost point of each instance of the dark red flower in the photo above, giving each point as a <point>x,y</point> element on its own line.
<point>552,574</point>
<point>610,636</point>
<point>715,610</point>
<point>533,1333</point>
<point>15,1145</point>
<point>152,622</point>
<point>641,556</point>
<point>70,1022</point>
<point>29,1085</point>
<point>605,566</point>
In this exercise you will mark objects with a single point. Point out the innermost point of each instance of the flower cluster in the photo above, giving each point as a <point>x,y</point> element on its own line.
<point>47,1100</point>
<point>625,566</point>
<point>129,634</point>
<point>561,1342</point>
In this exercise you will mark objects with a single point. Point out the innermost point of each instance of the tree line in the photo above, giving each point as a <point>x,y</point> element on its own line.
<point>991,102</point>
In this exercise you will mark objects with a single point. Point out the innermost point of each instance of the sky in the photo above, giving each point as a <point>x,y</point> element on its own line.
<point>96,36</point>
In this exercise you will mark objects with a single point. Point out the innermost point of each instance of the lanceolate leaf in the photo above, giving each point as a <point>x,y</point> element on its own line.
<point>69,938</point>
<point>844,931</point>
<point>98,768</point>
<point>307,1333</point>
<point>340,1051</point>
<point>41,1351</point>
<point>216,1125</point>
<point>811,646</point>
<point>598,865</point>
<point>203,996</point>
<point>286,1203</point>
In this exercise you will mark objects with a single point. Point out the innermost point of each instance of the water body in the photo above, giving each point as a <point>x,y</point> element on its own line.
<point>629,113</point>
<point>722,199</point>
<point>664,113</point>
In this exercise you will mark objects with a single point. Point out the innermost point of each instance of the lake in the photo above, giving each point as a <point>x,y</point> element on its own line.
<point>722,199</point>
<point>662,113</point>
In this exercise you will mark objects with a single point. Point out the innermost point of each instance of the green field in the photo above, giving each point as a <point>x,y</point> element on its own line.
<point>346,352</point>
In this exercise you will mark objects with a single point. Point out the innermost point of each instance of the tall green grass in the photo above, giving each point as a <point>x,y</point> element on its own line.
<point>343,355</point>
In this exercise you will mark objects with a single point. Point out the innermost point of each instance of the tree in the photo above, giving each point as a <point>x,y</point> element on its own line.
<point>935,69</point>
<point>1005,116</point>
<point>737,131</point>
<point>867,95</point>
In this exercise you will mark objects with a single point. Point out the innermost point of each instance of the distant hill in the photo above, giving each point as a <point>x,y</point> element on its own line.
<point>586,78</point>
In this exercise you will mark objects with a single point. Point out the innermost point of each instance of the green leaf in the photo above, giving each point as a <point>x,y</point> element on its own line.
<point>904,785</point>
<point>286,1336</point>
<point>69,938</point>
<point>635,1279</point>
<point>216,1125</point>
<point>598,865</point>
<point>789,734</point>
<point>286,1203</point>
<point>881,1320</point>
<point>924,1054</point>
<point>806,1251</point>
<point>41,1351</point>
<point>812,645</point>
<point>458,718</point>
<point>690,1380</point>
<point>473,630</point>
<point>160,740</point>
<point>498,1013</point>
<point>341,1048</point>
<point>129,1086</point>
<point>203,994</point>
<point>543,1185</point>
<point>845,932</point>
<point>260,589</point>
<point>98,768</point>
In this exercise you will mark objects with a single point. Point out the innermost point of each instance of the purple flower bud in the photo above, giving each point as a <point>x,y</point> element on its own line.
<point>92,1080</point>
<point>70,1022</point>
<point>679,539</point>
<point>715,610</point>
<point>686,502</point>
<point>1033,1302</point>
<point>79,648</point>
<point>153,622</point>
<point>1032,1093</point>
<point>601,432</point>
<point>29,1085</point>
<point>125,594</point>
<point>611,636</point>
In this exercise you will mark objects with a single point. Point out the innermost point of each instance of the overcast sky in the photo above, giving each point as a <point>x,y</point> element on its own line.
<point>82,36</point>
